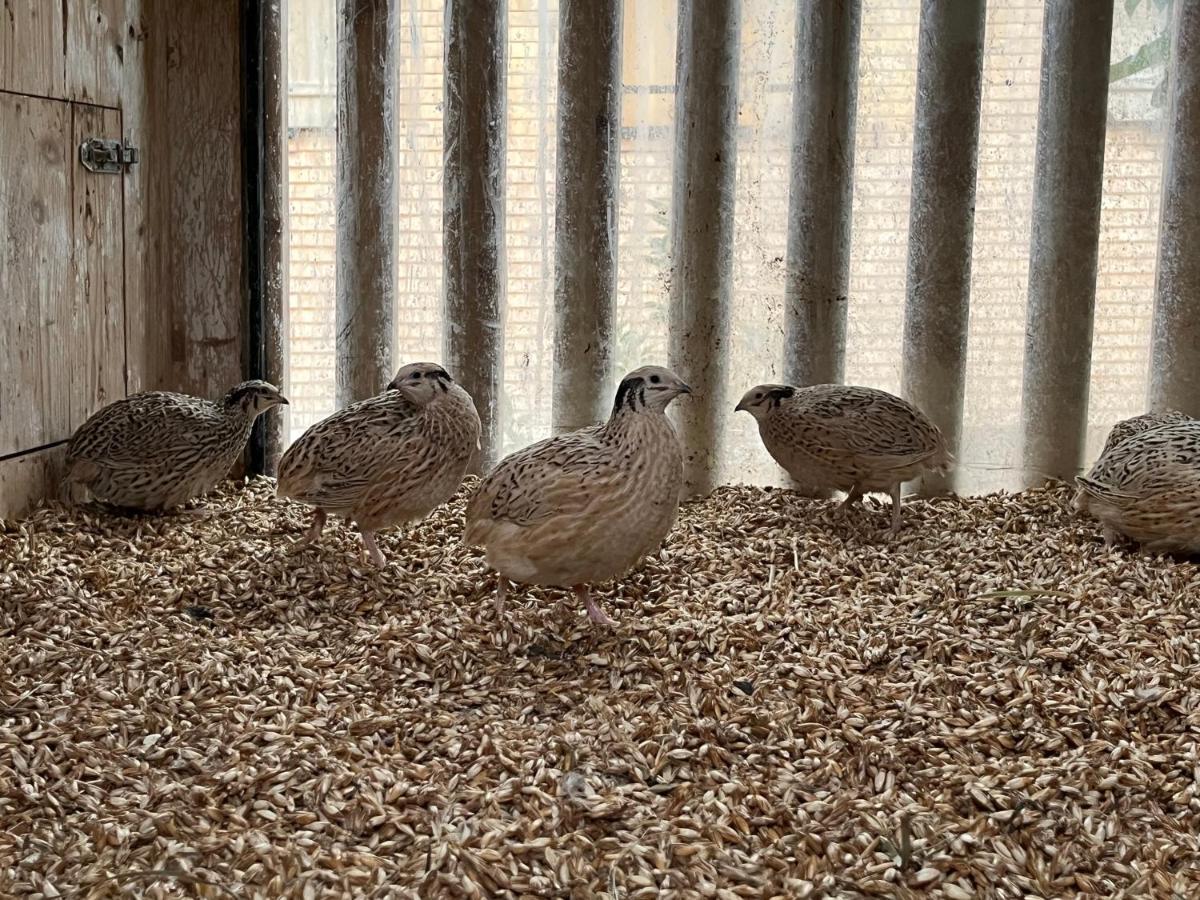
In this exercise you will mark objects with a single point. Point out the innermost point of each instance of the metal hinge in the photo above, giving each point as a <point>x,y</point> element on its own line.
<point>108,157</point>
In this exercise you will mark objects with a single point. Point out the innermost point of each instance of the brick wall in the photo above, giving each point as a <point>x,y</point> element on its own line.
<point>883,149</point>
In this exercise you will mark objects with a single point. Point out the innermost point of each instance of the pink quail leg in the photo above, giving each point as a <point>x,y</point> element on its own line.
<point>370,548</point>
<point>501,594</point>
<point>595,613</point>
<point>314,530</point>
<point>896,508</point>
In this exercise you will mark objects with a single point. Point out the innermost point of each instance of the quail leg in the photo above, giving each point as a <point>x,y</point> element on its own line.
<point>370,548</point>
<point>595,613</point>
<point>896,508</point>
<point>314,530</point>
<point>500,595</point>
<point>852,497</point>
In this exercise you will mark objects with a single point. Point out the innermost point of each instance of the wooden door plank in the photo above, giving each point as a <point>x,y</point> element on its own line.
<point>35,268</point>
<point>27,480</point>
<point>32,48</point>
<point>95,309</point>
<point>204,213</point>
<point>149,325</point>
<point>96,37</point>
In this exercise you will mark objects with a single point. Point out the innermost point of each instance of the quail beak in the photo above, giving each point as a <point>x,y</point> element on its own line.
<point>283,401</point>
<point>741,407</point>
<point>684,389</point>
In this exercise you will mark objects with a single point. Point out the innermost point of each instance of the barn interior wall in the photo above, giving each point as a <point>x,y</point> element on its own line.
<point>114,283</point>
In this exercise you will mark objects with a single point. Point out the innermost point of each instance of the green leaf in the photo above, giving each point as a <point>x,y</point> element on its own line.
<point>1149,55</point>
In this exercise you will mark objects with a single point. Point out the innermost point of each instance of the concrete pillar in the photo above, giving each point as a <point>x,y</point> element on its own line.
<point>366,198</point>
<point>585,231</point>
<point>942,215</point>
<point>1072,112</point>
<point>702,227</point>
<point>473,206</point>
<point>1175,360</point>
<point>822,171</point>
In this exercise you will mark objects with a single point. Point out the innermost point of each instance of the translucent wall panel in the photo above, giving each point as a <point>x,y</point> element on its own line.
<point>419,98</point>
<point>766,70</point>
<point>647,144</point>
<point>1133,159</point>
<point>312,113</point>
<point>529,221</point>
<point>1000,257</point>
<point>886,102</point>
<point>883,141</point>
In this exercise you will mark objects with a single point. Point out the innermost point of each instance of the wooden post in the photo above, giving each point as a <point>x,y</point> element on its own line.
<point>706,68</point>
<point>473,206</point>
<point>1175,360</point>
<point>366,197</point>
<point>585,232</point>
<point>818,249</point>
<point>274,221</point>
<point>942,214</point>
<point>1072,111</point>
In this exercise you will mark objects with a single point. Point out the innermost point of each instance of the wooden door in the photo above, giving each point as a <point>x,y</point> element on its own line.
<point>62,317</point>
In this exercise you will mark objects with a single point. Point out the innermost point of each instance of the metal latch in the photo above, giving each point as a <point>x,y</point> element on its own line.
<point>108,157</point>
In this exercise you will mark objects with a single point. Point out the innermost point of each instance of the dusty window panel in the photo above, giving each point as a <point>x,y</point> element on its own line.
<point>1129,221</point>
<point>764,141</point>
<point>988,455</point>
<point>646,169</point>
<point>420,99</point>
<point>529,195</point>
<point>883,139</point>
<point>312,239</point>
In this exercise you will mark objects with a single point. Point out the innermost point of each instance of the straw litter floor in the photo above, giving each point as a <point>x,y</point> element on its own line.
<point>789,706</point>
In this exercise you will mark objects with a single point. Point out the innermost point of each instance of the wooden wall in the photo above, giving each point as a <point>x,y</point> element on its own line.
<point>114,283</point>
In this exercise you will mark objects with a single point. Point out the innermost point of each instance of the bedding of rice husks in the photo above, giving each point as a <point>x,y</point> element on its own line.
<point>992,705</point>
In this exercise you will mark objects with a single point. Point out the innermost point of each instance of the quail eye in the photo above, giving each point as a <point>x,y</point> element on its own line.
<point>654,379</point>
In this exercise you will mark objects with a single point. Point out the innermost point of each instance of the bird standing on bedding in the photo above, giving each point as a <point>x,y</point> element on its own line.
<point>156,450</point>
<point>386,460</point>
<point>853,439</point>
<point>585,507</point>
<point>1147,487</point>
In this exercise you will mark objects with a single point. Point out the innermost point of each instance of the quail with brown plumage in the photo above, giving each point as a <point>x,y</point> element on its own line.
<point>585,507</point>
<point>386,460</point>
<point>1147,486</point>
<point>852,439</point>
<point>1127,428</point>
<point>156,450</point>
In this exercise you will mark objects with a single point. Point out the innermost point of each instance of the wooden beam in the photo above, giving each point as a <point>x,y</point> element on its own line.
<point>706,76</point>
<point>275,223</point>
<point>1175,360</point>
<point>589,128</point>
<point>942,215</point>
<point>365,198</point>
<point>473,205</point>
<point>818,249</point>
<point>1068,180</point>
